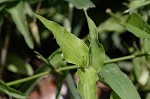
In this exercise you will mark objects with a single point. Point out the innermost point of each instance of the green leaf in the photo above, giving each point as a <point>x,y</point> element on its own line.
<point>148,96</point>
<point>80,4</point>
<point>2,6</point>
<point>35,32</point>
<point>119,82</point>
<point>72,88</point>
<point>147,86</point>
<point>18,16</point>
<point>146,48</point>
<point>2,1</point>
<point>137,67</point>
<point>114,96</point>
<point>19,65</point>
<point>87,83</point>
<point>97,54</point>
<point>111,25</point>
<point>11,92</point>
<point>59,81</point>
<point>74,50</point>
<point>136,25</point>
<point>56,59</point>
<point>140,71</point>
<point>136,4</point>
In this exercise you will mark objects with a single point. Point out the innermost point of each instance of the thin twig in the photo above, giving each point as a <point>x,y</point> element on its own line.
<point>39,75</point>
<point>125,58</point>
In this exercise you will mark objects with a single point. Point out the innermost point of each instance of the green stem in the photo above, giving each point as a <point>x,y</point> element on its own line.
<point>125,58</point>
<point>68,68</point>
<point>73,67</point>
<point>113,15</point>
<point>39,75</point>
<point>27,78</point>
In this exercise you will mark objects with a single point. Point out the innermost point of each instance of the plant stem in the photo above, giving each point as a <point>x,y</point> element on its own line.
<point>67,68</point>
<point>27,78</point>
<point>125,58</point>
<point>74,67</point>
<point>113,15</point>
<point>39,75</point>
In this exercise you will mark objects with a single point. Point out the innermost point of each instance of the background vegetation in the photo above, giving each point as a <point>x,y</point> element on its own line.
<point>21,33</point>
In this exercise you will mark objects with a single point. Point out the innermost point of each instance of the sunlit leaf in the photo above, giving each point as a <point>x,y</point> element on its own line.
<point>119,82</point>
<point>147,86</point>
<point>87,83</point>
<point>11,92</point>
<point>35,33</point>
<point>19,18</point>
<point>74,50</point>
<point>97,53</point>
<point>136,25</point>
<point>80,4</point>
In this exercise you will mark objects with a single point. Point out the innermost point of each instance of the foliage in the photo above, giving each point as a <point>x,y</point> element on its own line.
<point>127,76</point>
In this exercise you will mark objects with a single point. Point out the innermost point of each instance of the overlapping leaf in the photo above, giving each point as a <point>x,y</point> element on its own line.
<point>19,19</point>
<point>74,50</point>
<point>119,82</point>
<point>97,53</point>
<point>11,92</point>
<point>87,83</point>
<point>136,4</point>
<point>136,25</point>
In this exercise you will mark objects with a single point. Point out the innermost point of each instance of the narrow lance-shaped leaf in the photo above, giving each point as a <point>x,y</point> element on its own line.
<point>19,18</point>
<point>72,88</point>
<point>74,50</point>
<point>11,92</point>
<point>87,83</point>
<point>136,25</point>
<point>80,4</point>
<point>119,82</point>
<point>96,51</point>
